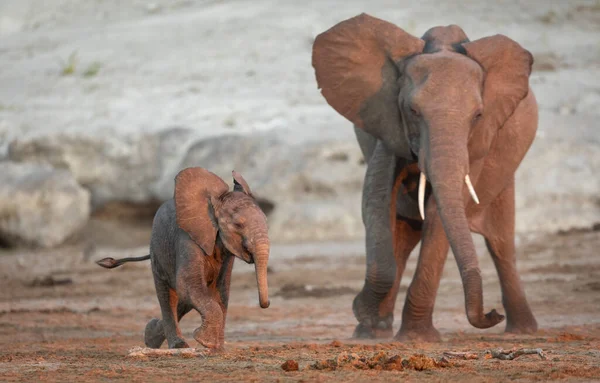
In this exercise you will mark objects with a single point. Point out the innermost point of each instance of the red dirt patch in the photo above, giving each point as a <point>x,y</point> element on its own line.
<point>83,331</point>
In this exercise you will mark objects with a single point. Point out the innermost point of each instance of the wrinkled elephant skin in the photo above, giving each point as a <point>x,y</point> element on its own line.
<point>451,115</point>
<point>195,239</point>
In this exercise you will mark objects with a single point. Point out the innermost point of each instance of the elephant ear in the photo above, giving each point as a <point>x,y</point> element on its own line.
<point>194,190</point>
<point>507,67</point>
<point>356,66</point>
<point>240,184</point>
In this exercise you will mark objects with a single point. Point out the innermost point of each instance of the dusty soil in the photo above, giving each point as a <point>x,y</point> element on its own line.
<point>62,318</point>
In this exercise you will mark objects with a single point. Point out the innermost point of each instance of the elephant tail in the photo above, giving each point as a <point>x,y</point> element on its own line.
<point>111,263</point>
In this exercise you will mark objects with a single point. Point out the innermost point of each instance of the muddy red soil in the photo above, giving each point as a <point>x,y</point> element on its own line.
<point>63,318</point>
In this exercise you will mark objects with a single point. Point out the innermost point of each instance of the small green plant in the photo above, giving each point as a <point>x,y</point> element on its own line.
<point>549,17</point>
<point>229,122</point>
<point>92,70</point>
<point>69,66</point>
<point>4,107</point>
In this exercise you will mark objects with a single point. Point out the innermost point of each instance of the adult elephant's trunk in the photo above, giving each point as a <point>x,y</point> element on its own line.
<point>446,167</point>
<point>261,258</point>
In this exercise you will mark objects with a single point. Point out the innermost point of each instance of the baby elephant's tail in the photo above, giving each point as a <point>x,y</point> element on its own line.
<point>111,263</point>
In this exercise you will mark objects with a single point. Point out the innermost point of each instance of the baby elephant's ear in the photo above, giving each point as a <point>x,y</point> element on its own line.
<point>194,188</point>
<point>240,184</point>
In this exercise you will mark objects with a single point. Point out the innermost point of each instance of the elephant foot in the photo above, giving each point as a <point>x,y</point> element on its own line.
<point>209,338</point>
<point>381,331</point>
<point>178,343</point>
<point>214,351</point>
<point>370,326</point>
<point>418,334</point>
<point>154,335</point>
<point>523,325</point>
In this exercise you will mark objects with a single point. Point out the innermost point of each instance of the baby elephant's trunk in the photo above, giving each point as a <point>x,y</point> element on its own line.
<point>261,259</point>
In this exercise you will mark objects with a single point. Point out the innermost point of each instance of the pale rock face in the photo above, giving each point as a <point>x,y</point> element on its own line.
<point>329,219</point>
<point>176,88</point>
<point>310,183</point>
<point>558,187</point>
<point>40,206</point>
<point>113,167</point>
<point>315,188</point>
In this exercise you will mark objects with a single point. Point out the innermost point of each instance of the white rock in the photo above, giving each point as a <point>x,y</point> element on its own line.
<point>329,219</point>
<point>40,206</point>
<point>315,188</point>
<point>557,184</point>
<point>141,168</point>
<point>168,63</point>
<point>113,167</point>
<point>278,169</point>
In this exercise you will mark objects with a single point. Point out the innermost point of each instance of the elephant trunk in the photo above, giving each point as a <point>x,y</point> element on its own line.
<point>261,258</point>
<point>447,163</point>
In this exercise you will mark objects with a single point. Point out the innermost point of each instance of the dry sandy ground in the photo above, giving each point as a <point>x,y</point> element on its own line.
<point>82,329</point>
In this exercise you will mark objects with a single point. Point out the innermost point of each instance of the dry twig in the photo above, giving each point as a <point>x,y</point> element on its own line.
<point>514,353</point>
<point>185,352</point>
<point>461,355</point>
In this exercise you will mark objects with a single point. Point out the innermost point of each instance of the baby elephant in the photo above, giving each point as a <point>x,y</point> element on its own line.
<point>195,237</point>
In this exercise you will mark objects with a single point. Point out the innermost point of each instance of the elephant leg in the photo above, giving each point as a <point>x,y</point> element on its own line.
<point>223,284</point>
<point>167,328</point>
<point>499,233</point>
<point>154,335</point>
<point>191,284</point>
<point>211,332</point>
<point>405,236</point>
<point>405,240</point>
<point>381,265</point>
<point>417,315</point>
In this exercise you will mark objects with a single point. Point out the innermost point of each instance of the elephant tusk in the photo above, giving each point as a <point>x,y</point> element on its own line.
<point>422,186</point>
<point>471,189</point>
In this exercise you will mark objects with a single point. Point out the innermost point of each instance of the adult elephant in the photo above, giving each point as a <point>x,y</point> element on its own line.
<point>443,116</point>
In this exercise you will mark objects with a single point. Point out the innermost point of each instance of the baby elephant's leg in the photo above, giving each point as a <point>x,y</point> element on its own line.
<point>168,300</point>
<point>155,334</point>
<point>211,333</point>
<point>215,300</point>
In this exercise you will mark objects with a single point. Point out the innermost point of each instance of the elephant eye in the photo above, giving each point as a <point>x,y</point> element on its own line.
<point>477,117</point>
<point>246,249</point>
<point>414,111</point>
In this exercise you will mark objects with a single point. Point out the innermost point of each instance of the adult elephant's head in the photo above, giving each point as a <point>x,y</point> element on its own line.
<point>439,100</point>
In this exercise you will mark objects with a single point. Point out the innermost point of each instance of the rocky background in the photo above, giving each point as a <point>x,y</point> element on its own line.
<point>102,102</point>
